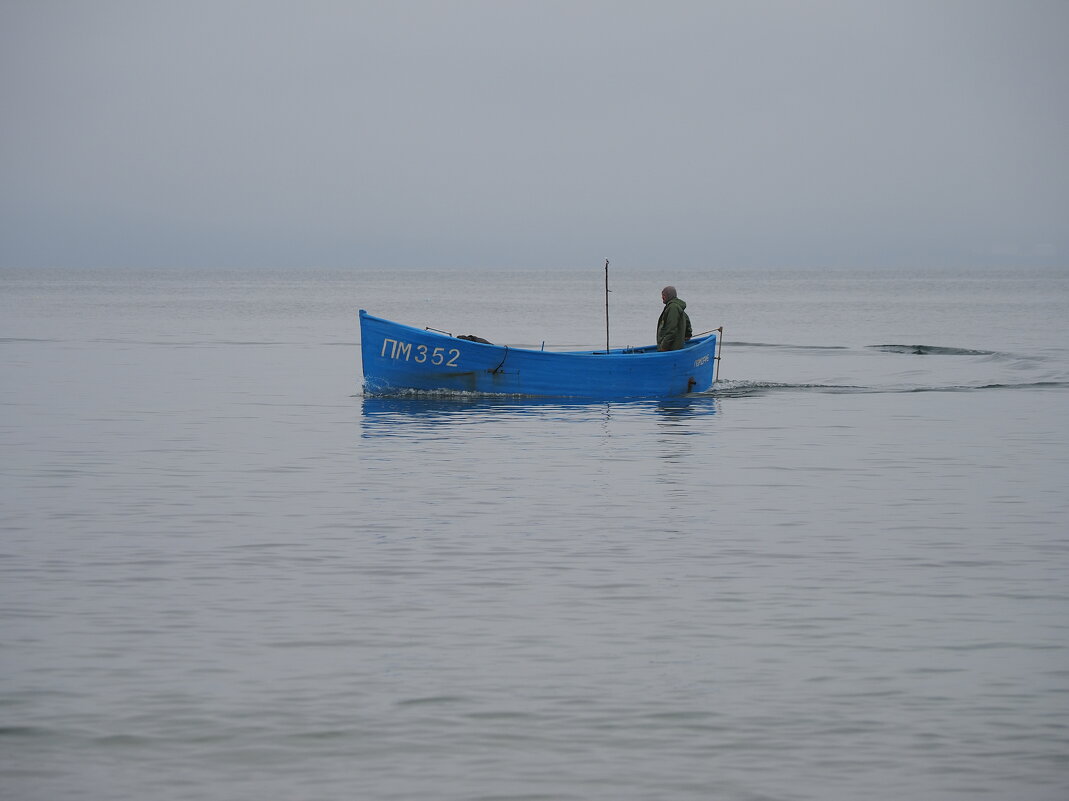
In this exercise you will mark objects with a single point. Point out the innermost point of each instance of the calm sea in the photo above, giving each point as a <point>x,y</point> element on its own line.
<point>226,574</point>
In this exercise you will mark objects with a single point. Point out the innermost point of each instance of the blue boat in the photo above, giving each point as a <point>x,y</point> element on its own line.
<point>400,358</point>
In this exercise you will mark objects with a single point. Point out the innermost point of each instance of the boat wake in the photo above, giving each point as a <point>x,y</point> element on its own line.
<point>724,389</point>
<point>743,389</point>
<point>933,350</point>
<point>916,350</point>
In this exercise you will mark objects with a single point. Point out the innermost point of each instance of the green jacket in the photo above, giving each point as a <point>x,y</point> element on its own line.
<point>673,326</point>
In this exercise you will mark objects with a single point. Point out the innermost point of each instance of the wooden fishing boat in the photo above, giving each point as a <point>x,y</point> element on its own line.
<point>399,358</point>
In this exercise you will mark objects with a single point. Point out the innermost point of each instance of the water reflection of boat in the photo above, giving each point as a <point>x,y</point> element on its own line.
<point>398,357</point>
<point>420,414</point>
<point>417,415</point>
<point>678,409</point>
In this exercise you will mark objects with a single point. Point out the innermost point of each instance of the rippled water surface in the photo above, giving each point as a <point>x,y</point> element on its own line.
<point>226,573</point>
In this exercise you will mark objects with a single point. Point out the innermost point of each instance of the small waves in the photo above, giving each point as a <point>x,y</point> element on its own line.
<point>915,350</point>
<point>458,395</point>
<point>932,350</point>
<point>743,389</point>
<point>981,387</point>
<point>404,399</point>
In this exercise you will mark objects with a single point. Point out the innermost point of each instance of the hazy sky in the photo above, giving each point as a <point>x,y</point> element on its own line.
<point>496,133</point>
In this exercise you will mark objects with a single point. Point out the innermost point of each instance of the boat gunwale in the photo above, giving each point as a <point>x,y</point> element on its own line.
<point>631,352</point>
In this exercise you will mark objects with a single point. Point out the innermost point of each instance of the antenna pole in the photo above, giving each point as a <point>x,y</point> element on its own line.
<point>719,345</point>
<point>606,305</point>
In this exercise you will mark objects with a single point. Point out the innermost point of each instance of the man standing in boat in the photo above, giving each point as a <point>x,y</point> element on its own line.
<point>673,326</point>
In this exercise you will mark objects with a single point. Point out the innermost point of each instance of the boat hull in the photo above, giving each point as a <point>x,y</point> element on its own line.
<point>398,358</point>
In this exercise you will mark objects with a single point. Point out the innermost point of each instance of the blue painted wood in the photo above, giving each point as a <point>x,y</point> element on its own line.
<point>399,357</point>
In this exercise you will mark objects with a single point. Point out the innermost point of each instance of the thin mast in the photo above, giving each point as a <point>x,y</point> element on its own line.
<point>606,305</point>
<point>719,346</point>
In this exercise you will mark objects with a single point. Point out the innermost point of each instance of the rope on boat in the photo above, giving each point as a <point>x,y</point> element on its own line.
<point>496,369</point>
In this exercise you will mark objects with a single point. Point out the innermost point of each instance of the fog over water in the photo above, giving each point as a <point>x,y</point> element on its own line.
<point>489,134</point>
<point>227,573</point>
